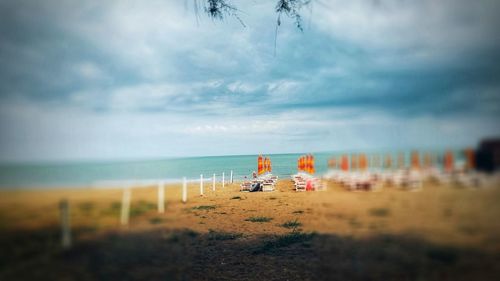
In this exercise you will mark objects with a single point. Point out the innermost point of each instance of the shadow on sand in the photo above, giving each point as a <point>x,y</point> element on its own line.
<point>164,254</point>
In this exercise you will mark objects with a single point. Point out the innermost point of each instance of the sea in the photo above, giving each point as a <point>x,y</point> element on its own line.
<point>169,170</point>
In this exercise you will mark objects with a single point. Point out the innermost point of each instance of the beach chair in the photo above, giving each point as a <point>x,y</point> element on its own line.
<point>267,186</point>
<point>414,180</point>
<point>299,183</point>
<point>468,179</point>
<point>398,178</point>
<point>246,186</point>
<point>319,185</point>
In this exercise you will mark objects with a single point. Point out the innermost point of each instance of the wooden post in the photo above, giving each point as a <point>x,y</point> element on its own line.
<point>201,185</point>
<point>125,206</point>
<point>222,179</point>
<point>184,190</point>
<point>161,197</point>
<point>231,178</point>
<point>213,182</point>
<point>65,224</point>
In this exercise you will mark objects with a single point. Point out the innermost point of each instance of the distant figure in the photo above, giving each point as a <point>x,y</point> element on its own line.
<point>254,175</point>
<point>256,187</point>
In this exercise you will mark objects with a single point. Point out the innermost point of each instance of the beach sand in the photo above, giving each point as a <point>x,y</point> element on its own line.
<point>441,232</point>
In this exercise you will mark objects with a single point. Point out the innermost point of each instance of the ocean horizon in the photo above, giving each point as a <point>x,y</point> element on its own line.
<point>113,173</point>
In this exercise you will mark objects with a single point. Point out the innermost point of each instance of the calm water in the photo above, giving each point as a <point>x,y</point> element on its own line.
<point>105,173</point>
<point>99,173</point>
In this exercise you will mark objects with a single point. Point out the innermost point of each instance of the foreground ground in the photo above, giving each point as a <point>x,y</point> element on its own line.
<point>439,233</point>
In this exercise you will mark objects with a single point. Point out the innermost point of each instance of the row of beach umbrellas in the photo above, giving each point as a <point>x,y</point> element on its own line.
<point>264,165</point>
<point>417,161</point>
<point>305,163</point>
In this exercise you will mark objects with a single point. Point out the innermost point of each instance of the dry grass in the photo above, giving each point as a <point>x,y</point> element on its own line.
<point>379,212</point>
<point>292,224</point>
<point>259,219</point>
<point>392,234</point>
<point>204,207</point>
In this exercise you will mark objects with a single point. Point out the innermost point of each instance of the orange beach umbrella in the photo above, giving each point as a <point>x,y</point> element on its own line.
<point>313,170</point>
<point>332,163</point>
<point>344,163</point>
<point>354,162</point>
<point>388,161</point>
<point>470,157</point>
<point>308,164</point>
<point>260,165</point>
<point>415,160</point>
<point>363,163</point>
<point>401,160</point>
<point>448,162</point>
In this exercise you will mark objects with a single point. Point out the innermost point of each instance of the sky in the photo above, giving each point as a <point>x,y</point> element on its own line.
<point>90,80</point>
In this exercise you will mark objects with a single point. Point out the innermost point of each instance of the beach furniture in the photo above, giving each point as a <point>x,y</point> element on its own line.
<point>354,162</point>
<point>260,165</point>
<point>470,159</point>
<point>401,161</point>
<point>365,181</point>
<point>304,179</point>
<point>264,180</point>
<point>363,162</point>
<point>269,182</point>
<point>415,160</point>
<point>299,181</point>
<point>245,186</point>
<point>447,174</point>
<point>388,162</point>
<point>414,180</point>
<point>306,182</point>
<point>267,187</point>
<point>448,162</point>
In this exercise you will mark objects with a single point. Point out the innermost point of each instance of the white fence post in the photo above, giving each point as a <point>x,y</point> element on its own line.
<point>213,182</point>
<point>125,206</point>
<point>231,179</point>
<point>222,179</point>
<point>201,184</point>
<point>184,190</point>
<point>161,197</point>
<point>65,224</point>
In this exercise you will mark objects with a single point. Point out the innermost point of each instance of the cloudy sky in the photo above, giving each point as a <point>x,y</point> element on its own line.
<point>83,80</point>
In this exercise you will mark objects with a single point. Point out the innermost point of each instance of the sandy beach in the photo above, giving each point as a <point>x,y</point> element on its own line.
<point>440,230</point>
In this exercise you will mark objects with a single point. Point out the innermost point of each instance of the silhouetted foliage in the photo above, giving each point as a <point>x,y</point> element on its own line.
<point>291,8</point>
<point>219,9</point>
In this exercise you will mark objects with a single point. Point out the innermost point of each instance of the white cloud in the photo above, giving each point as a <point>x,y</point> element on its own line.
<point>242,87</point>
<point>283,87</point>
<point>173,97</point>
<point>35,132</point>
<point>425,29</point>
